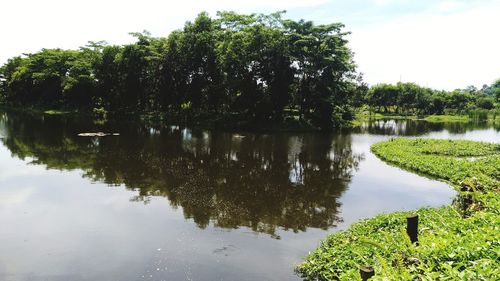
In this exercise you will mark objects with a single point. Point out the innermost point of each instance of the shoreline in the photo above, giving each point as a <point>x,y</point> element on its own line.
<point>447,236</point>
<point>237,123</point>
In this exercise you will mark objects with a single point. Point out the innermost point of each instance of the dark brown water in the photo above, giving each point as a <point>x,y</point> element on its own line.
<point>175,203</point>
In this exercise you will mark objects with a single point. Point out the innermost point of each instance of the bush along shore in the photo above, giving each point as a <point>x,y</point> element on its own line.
<point>457,242</point>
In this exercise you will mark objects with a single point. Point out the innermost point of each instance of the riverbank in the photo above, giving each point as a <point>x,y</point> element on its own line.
<point>40,110</point>
<point>451,246</point>
<point>156,119</point>
<point>235,122</point>
<point>487,116</point>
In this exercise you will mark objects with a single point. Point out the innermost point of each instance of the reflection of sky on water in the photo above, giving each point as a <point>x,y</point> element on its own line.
<point>58,225</point>
<point>64,228</point>
<point>488,134</point>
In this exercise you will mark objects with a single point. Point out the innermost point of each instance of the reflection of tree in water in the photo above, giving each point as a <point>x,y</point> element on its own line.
<point>264,182</point>
<point>418,127</point>
<point>398,127</point>
<point>463,127</point>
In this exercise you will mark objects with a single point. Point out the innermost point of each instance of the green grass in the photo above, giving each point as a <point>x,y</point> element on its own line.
<point>362,116</point>
<point>366,115</point>
<point>451,247</point>
<point>57,112</point>
<point>447,118</point>
<point>39,110</point>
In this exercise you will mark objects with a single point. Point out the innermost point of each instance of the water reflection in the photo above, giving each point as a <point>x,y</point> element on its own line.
<point>188,189</point>
<point>419,127</point>
<point>264,182</point>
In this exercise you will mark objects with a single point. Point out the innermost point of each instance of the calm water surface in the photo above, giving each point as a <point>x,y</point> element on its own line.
<point>177,203</point>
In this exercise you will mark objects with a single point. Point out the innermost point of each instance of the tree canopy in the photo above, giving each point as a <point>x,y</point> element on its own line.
<point>410,98</point>
<point>257,67</point>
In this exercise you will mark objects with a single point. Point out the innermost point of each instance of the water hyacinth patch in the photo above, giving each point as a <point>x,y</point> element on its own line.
<point>451,246</point>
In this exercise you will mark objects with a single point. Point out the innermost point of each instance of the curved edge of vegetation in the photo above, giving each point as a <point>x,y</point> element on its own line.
<point>451,246</point>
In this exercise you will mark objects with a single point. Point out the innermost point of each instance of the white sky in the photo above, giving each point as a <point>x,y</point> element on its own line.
<point>441,44</point>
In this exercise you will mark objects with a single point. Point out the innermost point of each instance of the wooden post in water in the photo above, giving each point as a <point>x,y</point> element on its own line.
<point>465,200</point>
<point>412,227</point>
<point>366,272</point>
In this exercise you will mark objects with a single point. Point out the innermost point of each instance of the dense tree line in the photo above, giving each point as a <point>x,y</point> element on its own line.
<point>410,98</point>
<point>254,67</point>
<point>251,68</point>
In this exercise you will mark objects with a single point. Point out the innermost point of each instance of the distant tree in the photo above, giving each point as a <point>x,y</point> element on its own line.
<point>383,96</point>
<point>471,89</point>
<point>458,101</point>
<point>495,89</point>
<point>411,98</point>
<point>485,102</point>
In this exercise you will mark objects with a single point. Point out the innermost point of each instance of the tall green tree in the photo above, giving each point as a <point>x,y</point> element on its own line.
<point>256,68</point>
<point>324,69</point>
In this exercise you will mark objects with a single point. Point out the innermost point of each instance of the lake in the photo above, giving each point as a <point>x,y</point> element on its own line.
<point>177,203</point>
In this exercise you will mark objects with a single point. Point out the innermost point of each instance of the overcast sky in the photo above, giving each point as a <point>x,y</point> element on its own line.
<point>441,44</point>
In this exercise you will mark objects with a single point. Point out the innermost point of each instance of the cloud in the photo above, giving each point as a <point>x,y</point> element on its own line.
<point>383,2</point>
<point>442,44</point>
<point>448,6</point>
<point>29,25</point>
<point>440,51</point>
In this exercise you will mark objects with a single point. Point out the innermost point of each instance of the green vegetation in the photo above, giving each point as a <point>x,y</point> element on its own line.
<point>365,113</point>
<point>412,99</point>
<point>472,116</point>
<point>255,68</point>
<point>447,118</point>
<point>56,112</point>
<point>368,115</point>
<point>232,70</point>
<point>39,110</point>
<point>454,243</point>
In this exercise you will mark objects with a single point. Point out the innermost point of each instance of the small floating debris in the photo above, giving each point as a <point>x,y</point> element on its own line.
<point>98,134</point>
<point>237,136</point>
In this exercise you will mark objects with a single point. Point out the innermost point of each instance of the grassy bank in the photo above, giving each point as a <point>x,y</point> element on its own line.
<point>451,246</point>
<point>370,116</point>
<point>473,116</point>
<point>448,118</point>
<point>40,110</point>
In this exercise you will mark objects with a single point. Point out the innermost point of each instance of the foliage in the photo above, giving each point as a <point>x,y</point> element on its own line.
<point>451,247</point>
<point>410,98</point>
<point>444,159</point>
<point>55,112</point>
<point>259,67</point>
<point>473,116</point>
<point>447,118</point>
